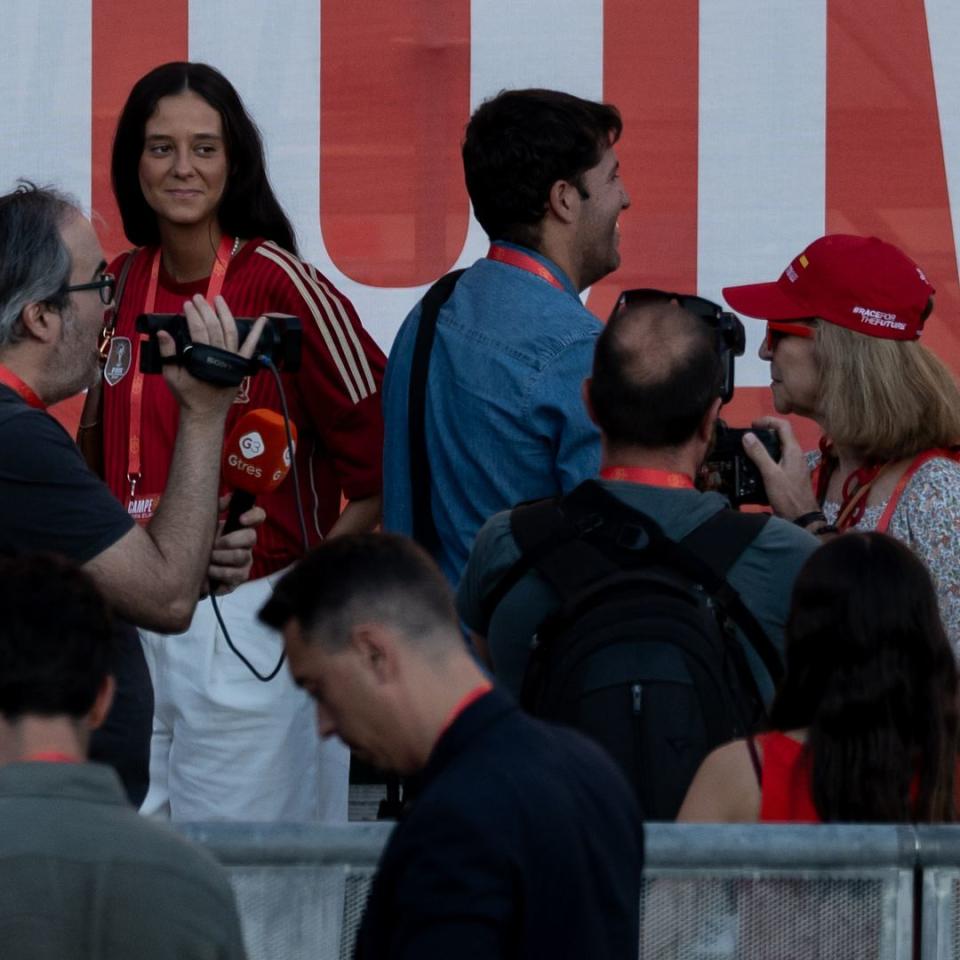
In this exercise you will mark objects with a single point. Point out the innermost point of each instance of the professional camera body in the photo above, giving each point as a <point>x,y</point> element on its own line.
<point>280,341</point>
<point>728,469</point>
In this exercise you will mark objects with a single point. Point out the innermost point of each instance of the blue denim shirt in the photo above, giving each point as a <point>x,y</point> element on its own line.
<point>505,420</point>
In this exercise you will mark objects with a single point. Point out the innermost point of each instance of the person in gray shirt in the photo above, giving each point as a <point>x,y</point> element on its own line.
<point>81,873</point>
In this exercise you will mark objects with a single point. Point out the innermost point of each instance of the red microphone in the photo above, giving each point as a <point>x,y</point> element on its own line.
<point>255,460</point>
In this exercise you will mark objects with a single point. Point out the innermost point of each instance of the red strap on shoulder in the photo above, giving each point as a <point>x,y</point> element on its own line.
<point>948,453</point>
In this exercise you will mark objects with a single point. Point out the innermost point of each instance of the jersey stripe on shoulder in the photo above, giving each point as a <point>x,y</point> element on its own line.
<point>332,321</point>
<point>321,282</point>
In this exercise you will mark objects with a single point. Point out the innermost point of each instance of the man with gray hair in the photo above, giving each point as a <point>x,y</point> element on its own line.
<point>523,839</point>
<point>53,294</point>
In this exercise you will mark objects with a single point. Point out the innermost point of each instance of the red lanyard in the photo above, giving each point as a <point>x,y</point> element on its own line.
<point>50,756</point>
<point>906,476</point>
<point>475,694</point>
<point>517,258</point>
<point>9,379</point>
<point>652,478</point>
<point>855,491</point>
<point>214,286</point>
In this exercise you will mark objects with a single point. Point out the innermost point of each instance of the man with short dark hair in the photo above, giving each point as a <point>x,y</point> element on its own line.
<point>655,394</point>
<point>53,295</point>
<point>503,418</point>
<point>523,839</point>
<point>81,873</point>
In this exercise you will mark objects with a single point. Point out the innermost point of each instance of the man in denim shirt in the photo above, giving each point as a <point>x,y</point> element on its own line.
<point>504,419</point>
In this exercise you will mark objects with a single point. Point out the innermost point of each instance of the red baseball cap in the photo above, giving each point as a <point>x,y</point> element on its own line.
<point>861,283</point>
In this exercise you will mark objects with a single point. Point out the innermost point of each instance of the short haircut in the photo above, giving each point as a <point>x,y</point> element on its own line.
<point>871,674</point>
<point>248,208</point>
<point>366,577</point>
<point>884,399</point>
<point>521,142</point>
<point>56,638</point>
<point>656,371</point>
<point>34,261</point>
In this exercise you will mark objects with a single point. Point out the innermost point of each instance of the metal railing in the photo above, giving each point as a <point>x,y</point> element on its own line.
<point>711,892</point>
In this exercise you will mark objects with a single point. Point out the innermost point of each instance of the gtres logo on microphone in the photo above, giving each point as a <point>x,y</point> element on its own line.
<point>252,445</point>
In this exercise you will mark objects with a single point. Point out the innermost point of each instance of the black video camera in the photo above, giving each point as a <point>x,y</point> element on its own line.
<point>280,341</point>
<point>729,470</point>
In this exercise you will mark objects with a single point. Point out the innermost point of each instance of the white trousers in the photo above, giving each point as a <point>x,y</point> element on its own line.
<point>225,745</point>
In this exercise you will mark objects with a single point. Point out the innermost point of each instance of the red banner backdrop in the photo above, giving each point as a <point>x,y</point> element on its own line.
<point>650,73</point>
<point>885,168</point>
<point>122,31</point>
<point>395,97</point>
<point>395,87</point>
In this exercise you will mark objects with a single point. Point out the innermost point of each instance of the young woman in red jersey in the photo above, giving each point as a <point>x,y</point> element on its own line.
<point>189,178</point>
<point>865,723</point>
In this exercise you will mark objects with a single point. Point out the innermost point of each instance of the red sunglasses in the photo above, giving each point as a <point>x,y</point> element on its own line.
<point>776,330</point>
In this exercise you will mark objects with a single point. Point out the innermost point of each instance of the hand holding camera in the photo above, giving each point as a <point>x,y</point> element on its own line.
<point>208,360</point>
<point>787,482</point>
<point>209,331</point>
<point>731,471</point>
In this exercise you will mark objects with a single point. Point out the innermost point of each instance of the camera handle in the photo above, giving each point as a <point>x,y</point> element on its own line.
<point>216,366</point>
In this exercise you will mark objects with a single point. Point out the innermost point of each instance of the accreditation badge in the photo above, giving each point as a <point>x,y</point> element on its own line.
<point>142,508</point>
<point>118,360</point>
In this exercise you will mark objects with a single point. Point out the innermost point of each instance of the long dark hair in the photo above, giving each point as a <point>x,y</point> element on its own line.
<point>871,674</point>
<point>248,207</point>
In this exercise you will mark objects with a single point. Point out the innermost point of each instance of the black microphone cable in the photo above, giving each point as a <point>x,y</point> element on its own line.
<point>267,677</point>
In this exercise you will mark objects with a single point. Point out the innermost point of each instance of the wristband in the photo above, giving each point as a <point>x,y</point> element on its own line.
<point>804,520</point>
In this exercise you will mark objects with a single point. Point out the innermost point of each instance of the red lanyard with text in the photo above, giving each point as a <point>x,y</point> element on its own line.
<point>9,379</point>
<point>651,478</point>
<point>214,286</point>
<point>523,261</point>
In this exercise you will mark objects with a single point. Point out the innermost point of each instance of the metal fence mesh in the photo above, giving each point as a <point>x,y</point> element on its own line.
<point>300,910</point>
<point>730,892</point>
<point>767,915</point>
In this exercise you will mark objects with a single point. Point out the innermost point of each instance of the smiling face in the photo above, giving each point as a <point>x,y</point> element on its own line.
<point>598,229</point>
<point>794,371</point>
<point>183,166</point>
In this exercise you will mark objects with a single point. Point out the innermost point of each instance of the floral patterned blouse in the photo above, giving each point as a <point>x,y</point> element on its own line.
<point>927,519</point>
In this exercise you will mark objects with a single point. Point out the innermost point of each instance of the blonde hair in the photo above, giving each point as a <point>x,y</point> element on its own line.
<point>884,399</point>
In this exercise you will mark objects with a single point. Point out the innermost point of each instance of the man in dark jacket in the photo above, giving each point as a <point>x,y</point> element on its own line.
<point>524,839</point>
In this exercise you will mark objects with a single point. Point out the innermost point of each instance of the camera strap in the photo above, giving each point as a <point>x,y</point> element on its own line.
<point>214,286</point>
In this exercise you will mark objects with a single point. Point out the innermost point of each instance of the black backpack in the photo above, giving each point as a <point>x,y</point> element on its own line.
<point>642,654</point>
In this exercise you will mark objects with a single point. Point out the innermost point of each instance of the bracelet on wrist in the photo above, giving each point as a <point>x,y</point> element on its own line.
<point>805,519</point>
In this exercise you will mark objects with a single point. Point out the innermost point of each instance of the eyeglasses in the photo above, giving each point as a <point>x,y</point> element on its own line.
<point>776,331</point>
<point>731,337</point>
<point>105,285</point>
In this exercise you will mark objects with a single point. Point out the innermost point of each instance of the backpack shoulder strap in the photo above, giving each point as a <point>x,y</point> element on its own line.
<point>542,527</point>
<point>550,535</point>
<point>722,538</point>
<point>715,546</point>
<point>424,528</point>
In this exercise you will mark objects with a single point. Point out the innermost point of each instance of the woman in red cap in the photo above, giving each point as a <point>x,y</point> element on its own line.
<point>843,323</point>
